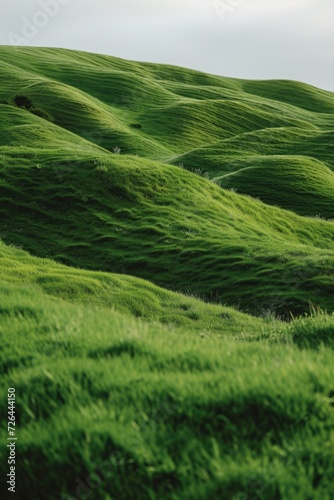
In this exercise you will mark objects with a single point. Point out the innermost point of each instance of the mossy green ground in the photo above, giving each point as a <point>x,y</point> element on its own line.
<point>144,331</point>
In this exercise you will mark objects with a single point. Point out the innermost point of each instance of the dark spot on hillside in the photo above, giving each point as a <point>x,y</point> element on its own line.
<point>19,311</point>
<point>24,102</point>
<point>116,350</point>
<point>331,396</point>
<point>194,316</point>
<point>18,362</point>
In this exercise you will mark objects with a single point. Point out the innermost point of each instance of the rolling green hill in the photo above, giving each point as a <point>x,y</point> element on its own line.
<point>122,293</point>
<point>165,235</point>
<point>110,406</point>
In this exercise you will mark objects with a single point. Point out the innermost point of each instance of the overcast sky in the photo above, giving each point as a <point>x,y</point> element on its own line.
<point>257,39</point>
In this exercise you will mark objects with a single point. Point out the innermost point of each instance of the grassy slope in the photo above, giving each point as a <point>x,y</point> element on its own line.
<point>162,413</point>
<point>300,178</point>
<point>203,401</point>
<point>268,153</point>
<point>130,215</point>
<point>126,294</point>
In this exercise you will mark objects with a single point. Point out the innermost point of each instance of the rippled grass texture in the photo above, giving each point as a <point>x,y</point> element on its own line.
<point>67,195</point>
<point>111,407</point>
<point>166,281</point>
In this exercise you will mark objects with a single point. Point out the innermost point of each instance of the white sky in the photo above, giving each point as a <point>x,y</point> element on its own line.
<point>256,39</point>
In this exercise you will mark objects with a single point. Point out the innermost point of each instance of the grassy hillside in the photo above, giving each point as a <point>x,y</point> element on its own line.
<point>306,184</point>
<point>289,167</point>
<point>113,406</point>
<point>129,215</point>
<point>126,294</point>
<point>166,280</point>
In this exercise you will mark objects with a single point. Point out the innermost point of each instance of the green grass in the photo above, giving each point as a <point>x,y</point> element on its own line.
<point>123,293</point>
<point>288,167</point>
<point>166,413</point>
<point>306,184</point>
<point>166,281</point>
<point>129,215</point>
